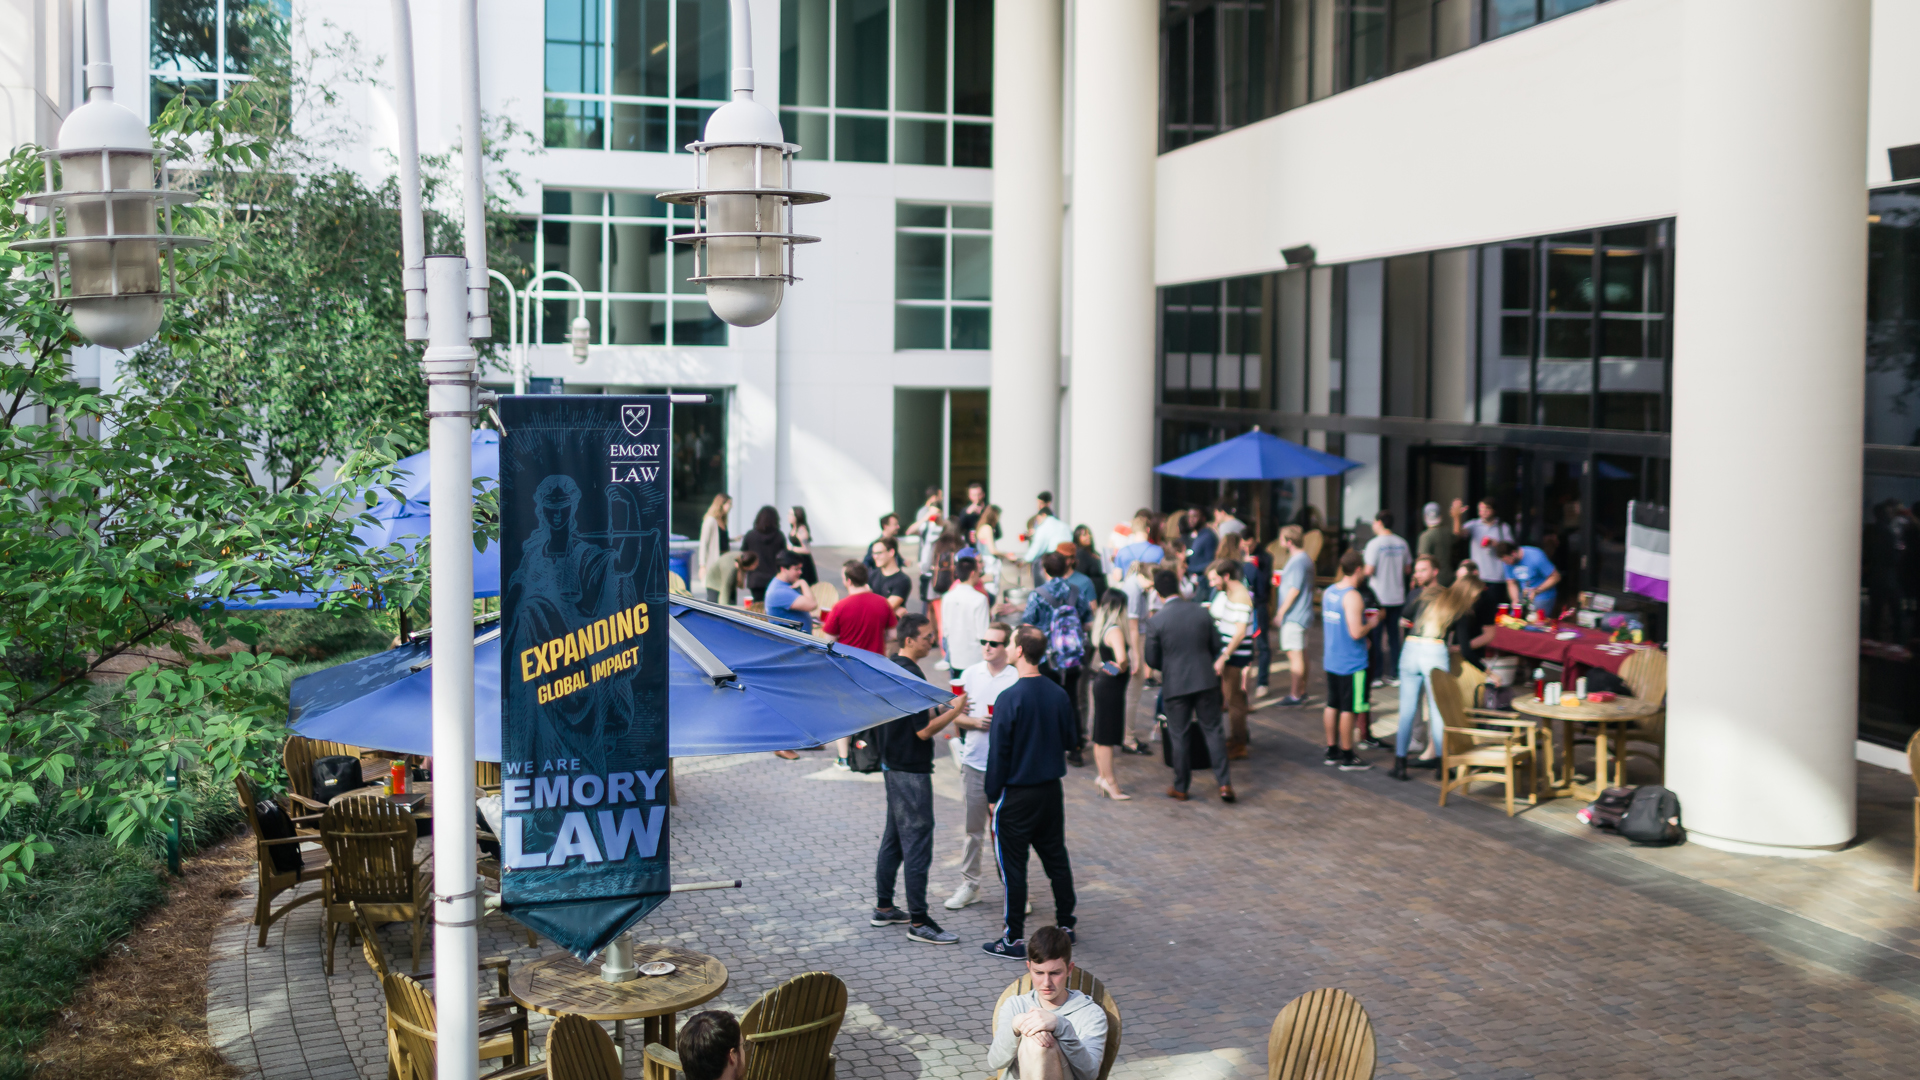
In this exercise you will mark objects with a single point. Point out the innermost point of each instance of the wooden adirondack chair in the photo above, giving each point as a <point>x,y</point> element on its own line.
<point>788,1034</point>
<point>413,1022</point>
<point>1539,732</point>
<point>298,755</point>
<point>1082,980</point>
<point>274,881</point>
<point>500,1016</point>
<point>1321,1035</point>
<point>1645,674</point>
<point>1913,767</point>
<point>1473,754</point>
<point>370,842</point>
<point>579,1049</point>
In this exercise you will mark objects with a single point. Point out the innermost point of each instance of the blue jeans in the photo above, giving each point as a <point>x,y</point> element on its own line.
<point>1417,657</point>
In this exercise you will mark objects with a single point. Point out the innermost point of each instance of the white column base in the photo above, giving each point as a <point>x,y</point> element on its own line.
<point>1742,847</point>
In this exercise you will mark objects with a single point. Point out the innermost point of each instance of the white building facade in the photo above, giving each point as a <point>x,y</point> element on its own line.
<point>1558,253</point>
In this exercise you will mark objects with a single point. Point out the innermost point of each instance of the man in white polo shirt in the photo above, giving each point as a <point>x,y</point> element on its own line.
<point>982,682</point>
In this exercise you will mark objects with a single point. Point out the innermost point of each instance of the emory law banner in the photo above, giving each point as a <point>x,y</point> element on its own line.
<point>584,485</point>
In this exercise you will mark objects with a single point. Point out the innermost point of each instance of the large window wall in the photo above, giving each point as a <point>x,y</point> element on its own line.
<point>942,276</point>
<point>905,81</point>
<point>205,48</point>
<point>615,244</point>
<point>1890,510</point>
<point>1228,63</point>
<point>633,74</point>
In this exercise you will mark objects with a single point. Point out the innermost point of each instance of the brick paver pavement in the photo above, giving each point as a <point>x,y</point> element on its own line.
<point>1480,946</point>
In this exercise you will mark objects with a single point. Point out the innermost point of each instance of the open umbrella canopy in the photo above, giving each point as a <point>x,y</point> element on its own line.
<point>735,684</point>
<point>1256,456</point>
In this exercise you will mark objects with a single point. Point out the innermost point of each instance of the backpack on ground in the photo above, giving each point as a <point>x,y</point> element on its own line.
<point>1607,811</point>
<point>1653,817</point>
<point>1066,636</point>
<point>864,755</point>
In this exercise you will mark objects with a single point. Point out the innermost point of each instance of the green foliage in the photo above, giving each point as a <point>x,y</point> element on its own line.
<point>322,635</point>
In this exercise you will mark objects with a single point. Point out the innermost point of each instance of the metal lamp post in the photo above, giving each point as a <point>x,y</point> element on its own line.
<point>743,236</point>
<point>579,334</point>
<point>117,224</point>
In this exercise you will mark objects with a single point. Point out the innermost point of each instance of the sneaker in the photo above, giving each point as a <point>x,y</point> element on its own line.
<point>966,895</point>
<point>1006,950</point>
<point>1029,907</point>
<point>1334,757</point>
<point>942,665</point>
<point>1071,939</point>
<point>1393,681</point>
<point>1371,743</point>
<point>1291,701</point>
<point>888,916</point>
<point>841,763</point>
<point>1353,763</point>
<point>930,933</point>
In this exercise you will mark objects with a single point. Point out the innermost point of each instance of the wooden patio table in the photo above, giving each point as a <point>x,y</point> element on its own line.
<point>1624,710</point>
<point>561,984</point>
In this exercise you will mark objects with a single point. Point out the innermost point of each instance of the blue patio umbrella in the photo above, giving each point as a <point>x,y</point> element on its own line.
<point>1256,456</point>
<point>735,684</point>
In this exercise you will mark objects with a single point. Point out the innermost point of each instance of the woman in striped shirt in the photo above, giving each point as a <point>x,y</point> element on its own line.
<point>1232,608</point>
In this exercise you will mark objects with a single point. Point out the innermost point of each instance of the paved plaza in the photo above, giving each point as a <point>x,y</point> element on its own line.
<point>1481,946</point>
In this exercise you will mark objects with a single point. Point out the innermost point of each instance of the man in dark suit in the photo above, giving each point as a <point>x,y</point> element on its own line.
<point>1181,643</point>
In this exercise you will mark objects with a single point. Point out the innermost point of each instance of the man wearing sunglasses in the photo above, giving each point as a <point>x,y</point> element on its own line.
<point>982,683</point>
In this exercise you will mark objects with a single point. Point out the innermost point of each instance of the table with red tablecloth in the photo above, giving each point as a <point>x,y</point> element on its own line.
<point>1585,648</point>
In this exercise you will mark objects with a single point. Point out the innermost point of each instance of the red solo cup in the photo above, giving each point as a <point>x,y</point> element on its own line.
<point>989,710</point>
<point>956,688</point>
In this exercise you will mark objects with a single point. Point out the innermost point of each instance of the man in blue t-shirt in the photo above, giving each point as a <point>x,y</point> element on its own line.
<point>788,594</point>
<point>1531,576</point>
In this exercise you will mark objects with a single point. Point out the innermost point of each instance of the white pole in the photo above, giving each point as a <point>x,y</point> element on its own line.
<point>1767,399</point>
<point>449,367</point>
<point>413,245</point>
<point>99,52</point>
<point>473,163</point>
<point>513,330</point>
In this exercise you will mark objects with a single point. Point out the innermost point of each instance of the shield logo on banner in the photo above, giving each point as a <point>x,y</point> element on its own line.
<point>634,418</point>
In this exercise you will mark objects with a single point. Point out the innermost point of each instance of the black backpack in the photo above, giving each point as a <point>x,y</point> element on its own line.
<point>334,775</point>
<point>1607,811</point>
<point>276,825</point>
<point>1653,817</point>
<point>864,755</point>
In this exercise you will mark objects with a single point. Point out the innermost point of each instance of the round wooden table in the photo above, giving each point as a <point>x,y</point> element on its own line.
<point>418,797</point>
<point>1602,714</point>
<point>561,984</point>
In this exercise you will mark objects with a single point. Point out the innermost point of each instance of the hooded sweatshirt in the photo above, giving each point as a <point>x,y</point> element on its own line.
<point>1081,1034</point>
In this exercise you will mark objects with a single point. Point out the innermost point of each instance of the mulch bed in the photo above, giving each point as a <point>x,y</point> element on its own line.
<point>142,1014</point>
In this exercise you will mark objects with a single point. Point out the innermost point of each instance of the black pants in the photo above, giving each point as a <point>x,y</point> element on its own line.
<point>1385,652</point>
<point>1202,708</point>
<point>1070,681</point>
<point>1032,816</point>
<point>907,842</point>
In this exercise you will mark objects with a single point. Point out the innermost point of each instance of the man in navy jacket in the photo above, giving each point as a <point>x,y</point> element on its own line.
<point>1033,728</point>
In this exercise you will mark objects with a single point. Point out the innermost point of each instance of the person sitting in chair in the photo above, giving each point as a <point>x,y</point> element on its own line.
<point>710,1046</point>
<point>1051,1033</point>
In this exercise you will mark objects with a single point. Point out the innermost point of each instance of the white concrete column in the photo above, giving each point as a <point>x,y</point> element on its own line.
<point>1116,110</point>
<point>1023,425</point>
<point>1768,386</point>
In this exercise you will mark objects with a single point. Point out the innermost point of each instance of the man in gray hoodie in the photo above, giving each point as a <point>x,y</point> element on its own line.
<point>1050,1033</point>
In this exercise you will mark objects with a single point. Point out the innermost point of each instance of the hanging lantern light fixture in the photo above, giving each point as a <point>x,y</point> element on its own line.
<point>107,222</point>
<point>743,236</point>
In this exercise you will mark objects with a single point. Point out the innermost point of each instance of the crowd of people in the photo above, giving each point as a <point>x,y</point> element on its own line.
<point>1044,635</point>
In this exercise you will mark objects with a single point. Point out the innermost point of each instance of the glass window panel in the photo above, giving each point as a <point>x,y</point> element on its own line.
<point>972,268</point>
<point>703,46</point>
<point>1569,279</point>
<point>1176,371</point>
<point>1179,109</point>
<point>575,41</point>
<point>184,36</point>
<point>682,255</point>
<point>640,39</point>
<point>1203,332</point>
<point>807,131</point>
<point>1296,36</point>
<point>1173,329</point>
<point>803,54</point>
<point>575,125</point>
<point>631,204</point>
<point>1412,33</point>
<point>919,216</point>
<point>591,203</point>
<point>860,138</point>
<point>1516,278</point>
<point>638,259</point>
<point>1647,376</point>
<point>255,29</point>
<point>1516,335</point>
<point>920,142</point>
<point>1562,410</point>
<point>1623,337</point>
<point>1630,412</point>
<point>1252,379</point>
<point>973,146</point>
<point>1452,26</point>
<point>694,323</point>
<point>525,241</point>
<point>638,322</point>
<point>919,327</point>
<point>198,91</point>
<point>1630,237</point>
<point>972,59</point>
<point>556,319</point>
<point>1243,292</point>
<point>861,63</point>
<point>639,127</point>
<point>919,267</point>
<point>972,327</point>
<point>1206,69</point>
<point>1506,16</point>
<point>1233,65</point>
<point>689,126</point>
<point>1226,372</point>
<point>1199,371</point>
<point>1625,286</point>
<point>1367,42</point>
<point>920,57</point>
<point>1568,338</point>
<point>1553,9</point>
<point>973,217</point>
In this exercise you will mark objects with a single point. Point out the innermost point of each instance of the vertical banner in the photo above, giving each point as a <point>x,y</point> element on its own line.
<point>584,492</point>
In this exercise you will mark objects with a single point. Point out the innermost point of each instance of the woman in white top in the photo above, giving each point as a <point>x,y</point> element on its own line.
<point>1232,608</point>
<point>713,534</point>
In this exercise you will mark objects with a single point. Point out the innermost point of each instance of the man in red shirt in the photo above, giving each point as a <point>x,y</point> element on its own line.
<point>861,619</point>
